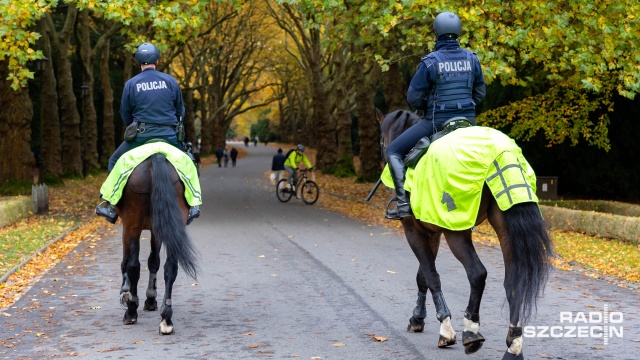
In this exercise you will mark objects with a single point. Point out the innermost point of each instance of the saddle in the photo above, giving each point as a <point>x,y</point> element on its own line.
<point>418,151</point>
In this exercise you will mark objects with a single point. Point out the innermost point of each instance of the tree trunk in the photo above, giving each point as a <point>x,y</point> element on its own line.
<point>206,143</point>
<point>345,166</point>
<point>51,145</point>
<point>90,119</point>
<point>395,88</point>
<point>108,130</point>
<point>17,161</point>
<point>71,138</point>
<point>189,117</point>
<point>326,154</point>
<point>370,156</point>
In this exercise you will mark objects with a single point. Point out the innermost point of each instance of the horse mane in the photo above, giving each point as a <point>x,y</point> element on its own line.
<point>396,122</point>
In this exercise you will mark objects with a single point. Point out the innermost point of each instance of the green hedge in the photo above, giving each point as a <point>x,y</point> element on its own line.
<point>14,208</point>
<point>602,206</point>
<point>626,228</point>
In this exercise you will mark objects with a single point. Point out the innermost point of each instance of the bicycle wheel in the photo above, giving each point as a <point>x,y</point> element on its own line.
<point>310,192</point>
<point>282,193</point>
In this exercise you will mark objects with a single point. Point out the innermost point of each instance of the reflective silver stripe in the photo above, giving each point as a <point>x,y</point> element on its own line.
<point>507,189</point>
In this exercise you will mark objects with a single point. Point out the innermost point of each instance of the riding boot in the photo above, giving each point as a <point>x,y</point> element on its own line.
<point>398,169</point>
<point>194,212</point>
<point>106,209</point>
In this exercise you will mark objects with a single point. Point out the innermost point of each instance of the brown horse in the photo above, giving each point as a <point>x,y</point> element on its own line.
<point>526,249</point>
<point>153,199</point>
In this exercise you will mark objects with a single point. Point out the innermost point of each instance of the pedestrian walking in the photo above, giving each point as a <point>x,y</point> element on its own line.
<point>234,156</point>
<point>277,167</point>
<point>226,156</point>
<point>219,155</point>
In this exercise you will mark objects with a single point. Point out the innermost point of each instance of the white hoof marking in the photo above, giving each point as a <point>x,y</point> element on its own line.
<point>165,329</point>
<point>469,325</point>
<point>446,330</point>
<point>516,346</point>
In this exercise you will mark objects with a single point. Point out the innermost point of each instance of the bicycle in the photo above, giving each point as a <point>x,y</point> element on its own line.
<point>309,189</point>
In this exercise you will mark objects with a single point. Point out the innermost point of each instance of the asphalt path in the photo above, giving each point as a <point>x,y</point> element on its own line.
<point>296,281</point>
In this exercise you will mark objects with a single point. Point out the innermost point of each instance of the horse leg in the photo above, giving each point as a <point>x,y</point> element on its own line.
<point>514,335</point>
<point>130,267</point>
<point>425,247</point>
<point>462,248</point>
<point>154,264</point>
<point>416,322</point>
<point>170,274</point>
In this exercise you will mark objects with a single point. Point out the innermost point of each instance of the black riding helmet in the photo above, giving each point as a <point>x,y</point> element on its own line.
<point>447,23</point>
<point>147,53</point>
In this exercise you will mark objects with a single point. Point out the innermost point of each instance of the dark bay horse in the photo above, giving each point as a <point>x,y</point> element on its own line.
<point>524,240</point>
<point>153,199</point>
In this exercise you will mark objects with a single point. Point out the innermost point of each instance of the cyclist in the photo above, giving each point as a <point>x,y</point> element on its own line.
<point>291,164</point>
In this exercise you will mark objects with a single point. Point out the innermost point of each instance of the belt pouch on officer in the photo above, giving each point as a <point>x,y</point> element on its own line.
<point>131,132</point>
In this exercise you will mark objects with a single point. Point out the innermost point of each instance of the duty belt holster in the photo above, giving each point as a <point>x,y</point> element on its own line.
<point>131,132</point>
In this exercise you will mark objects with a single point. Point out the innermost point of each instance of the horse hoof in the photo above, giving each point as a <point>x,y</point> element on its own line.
<point>415,325</point>
<point>472,342</point>
<point>128,321</point>
<point>444,342</point>
<point>150,305</point>
<point>124,299</point>
<point>510,356</point>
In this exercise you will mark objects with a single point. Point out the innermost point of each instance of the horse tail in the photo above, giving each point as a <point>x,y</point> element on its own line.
<point>531,253</point>
<point>167,220</point>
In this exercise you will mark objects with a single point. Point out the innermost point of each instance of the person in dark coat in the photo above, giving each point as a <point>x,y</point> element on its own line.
<point>219,155</point>
<point>234,156</point>
<point>277,166</point>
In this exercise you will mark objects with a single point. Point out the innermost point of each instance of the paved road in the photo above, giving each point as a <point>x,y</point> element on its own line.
<point>291,281</point>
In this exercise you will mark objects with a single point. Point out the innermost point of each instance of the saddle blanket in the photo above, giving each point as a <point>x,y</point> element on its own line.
<point>446,184</point>
<point>113,186</point>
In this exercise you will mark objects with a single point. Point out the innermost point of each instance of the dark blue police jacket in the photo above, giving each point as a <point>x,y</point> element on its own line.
<point>448,83</point>
<point>155,99</point>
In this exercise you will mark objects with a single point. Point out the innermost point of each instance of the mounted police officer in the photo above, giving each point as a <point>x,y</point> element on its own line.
<point>152,108</point>
<point>448,83</point>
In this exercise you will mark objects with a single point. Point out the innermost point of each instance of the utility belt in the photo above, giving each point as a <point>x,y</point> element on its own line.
<point>136,128</point>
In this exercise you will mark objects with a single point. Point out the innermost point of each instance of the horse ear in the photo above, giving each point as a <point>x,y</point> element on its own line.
<point>379,115</point>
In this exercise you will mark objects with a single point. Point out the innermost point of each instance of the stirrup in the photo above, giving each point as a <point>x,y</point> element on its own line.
<point>397,213</point>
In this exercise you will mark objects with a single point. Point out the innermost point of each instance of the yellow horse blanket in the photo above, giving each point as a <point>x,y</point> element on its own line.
<point>446,184</point>
<point>113,186</point>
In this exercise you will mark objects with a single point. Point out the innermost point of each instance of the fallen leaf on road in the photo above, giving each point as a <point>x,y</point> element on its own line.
<point>391,271</point>
<point>338,344</point>
<point>253,346</point>
<point>379,338</point>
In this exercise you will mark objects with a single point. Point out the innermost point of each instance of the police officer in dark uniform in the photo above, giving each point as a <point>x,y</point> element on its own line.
<point>153,99</point>
<point>448,83</point>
